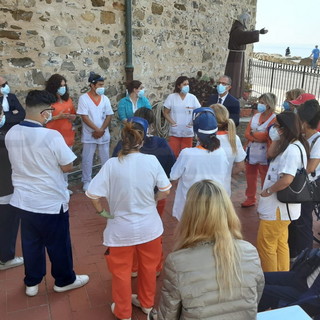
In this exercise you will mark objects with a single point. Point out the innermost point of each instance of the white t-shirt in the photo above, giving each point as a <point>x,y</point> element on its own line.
<point>97,114</point>
<point>287,163</point>
<point>232,158</point>
<point>128,184</point>
<point>193,165</point>
<point>181,113</point>
<point>5,199</point>
<point>315,153</point>
<point>36,154</point>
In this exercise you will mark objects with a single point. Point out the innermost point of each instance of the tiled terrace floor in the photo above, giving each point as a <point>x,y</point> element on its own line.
<point>92,302</point>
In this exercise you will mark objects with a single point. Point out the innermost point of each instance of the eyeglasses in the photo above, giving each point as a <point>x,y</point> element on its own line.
<point>4,84</point>
<point>223,83</point>
<point>48,109</point>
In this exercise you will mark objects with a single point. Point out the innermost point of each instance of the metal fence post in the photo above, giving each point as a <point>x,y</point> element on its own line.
<point>303,76</point>
<point>272,74</point>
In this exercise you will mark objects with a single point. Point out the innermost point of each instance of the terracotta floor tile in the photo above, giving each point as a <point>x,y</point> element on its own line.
<point>41,313</point>
<point>16,299</point>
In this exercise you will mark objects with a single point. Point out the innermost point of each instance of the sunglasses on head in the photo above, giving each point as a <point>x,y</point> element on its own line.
<point>47,109</point>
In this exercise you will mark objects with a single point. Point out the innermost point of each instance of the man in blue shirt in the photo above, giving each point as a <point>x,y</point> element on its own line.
<point>315,55</point>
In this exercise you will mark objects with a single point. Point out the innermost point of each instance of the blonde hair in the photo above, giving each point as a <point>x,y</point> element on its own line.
<point>294,94</point>
<point>132,136</point>
<point>269,99</point>
<point>224,123</point>
<point>209,215</point>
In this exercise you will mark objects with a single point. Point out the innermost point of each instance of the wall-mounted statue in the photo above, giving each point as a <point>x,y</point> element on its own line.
<point>239,37</point>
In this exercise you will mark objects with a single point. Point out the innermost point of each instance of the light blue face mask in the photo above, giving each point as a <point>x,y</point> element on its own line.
<point>185,89</point>
<point>221,88</point>
<point>5,90</point>
<point>286,105</point>
<point>141,93</point>
<point>2,121</point>
<point>261,107</point>
<point>100,91</point>
<point>62,91</point>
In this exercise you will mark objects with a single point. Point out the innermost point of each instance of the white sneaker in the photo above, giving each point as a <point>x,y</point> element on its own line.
<point>80,281</point>
<point>15,262</point>
<point>70,192</point>
<point>32,291</point>
<point>113,305</point>
<point>85,186</point>
<point>136,302</point>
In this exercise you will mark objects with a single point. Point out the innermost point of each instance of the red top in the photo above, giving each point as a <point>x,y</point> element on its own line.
<point>64,126</point>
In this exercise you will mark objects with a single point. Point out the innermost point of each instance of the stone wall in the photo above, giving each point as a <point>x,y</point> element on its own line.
<point>172,38</point>
<point>73,37</point>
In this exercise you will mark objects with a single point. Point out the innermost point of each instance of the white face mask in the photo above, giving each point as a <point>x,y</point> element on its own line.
<point>274,134</point>
<point>49,118</point>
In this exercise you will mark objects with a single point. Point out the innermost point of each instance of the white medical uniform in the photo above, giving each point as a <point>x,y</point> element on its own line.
<point>232,157</point>
<point>181,113</point>
<point>193,165</point>
<point>286,163</point>
<point>128,184</point>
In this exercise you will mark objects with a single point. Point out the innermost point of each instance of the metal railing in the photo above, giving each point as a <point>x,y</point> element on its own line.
<point>278,78</point>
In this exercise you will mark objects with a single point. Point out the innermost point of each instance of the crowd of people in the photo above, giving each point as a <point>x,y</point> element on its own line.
<point>203,153</point>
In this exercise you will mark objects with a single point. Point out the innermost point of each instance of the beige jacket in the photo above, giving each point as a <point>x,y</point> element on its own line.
<point>190,289</point>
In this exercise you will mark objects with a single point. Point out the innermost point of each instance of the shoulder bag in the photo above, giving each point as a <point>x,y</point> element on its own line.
<point>300,189</point>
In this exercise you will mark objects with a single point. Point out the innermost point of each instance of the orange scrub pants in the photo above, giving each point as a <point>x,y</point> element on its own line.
<point>252,171</point>
<point>119,260</point>
<point>160,207</point>
<point>179,143</point>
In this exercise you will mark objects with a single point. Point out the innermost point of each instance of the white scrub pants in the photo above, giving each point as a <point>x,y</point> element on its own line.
<point>87,158</point>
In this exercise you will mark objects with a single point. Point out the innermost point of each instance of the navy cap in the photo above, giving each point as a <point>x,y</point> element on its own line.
<point>142,122</point>
<point>94,77</point>
<point>204,121</point>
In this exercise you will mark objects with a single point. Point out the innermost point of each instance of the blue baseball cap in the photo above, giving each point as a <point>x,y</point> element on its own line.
<point>142,122</point>
<point>94,77</point>
<point>204,121</point>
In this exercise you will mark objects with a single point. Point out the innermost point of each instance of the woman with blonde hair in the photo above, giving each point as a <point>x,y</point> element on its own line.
<point>258,141</point>
<point>230,142</point>
<point>292,94</point>
<point>212,271</point>
<point>128,182</point>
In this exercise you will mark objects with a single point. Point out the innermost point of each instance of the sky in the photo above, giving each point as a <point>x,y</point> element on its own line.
<point>293,23</point>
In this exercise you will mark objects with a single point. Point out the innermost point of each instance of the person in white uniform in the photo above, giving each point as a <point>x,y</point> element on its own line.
<point>96,113</point>
<point>128,182</point>
<point>300,230</point>
<point>275,216</point>
<point>229,142</point>
<point>39,157</point>
<point>177,110</point>
<point>206,161</point>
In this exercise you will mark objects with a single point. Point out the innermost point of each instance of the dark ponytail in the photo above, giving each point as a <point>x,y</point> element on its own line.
<point>209,142</point>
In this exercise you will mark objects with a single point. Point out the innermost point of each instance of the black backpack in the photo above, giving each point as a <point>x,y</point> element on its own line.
<point>306,262</point>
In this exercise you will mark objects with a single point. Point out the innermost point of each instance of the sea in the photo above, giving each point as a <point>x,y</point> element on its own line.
<point>299,50</point>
